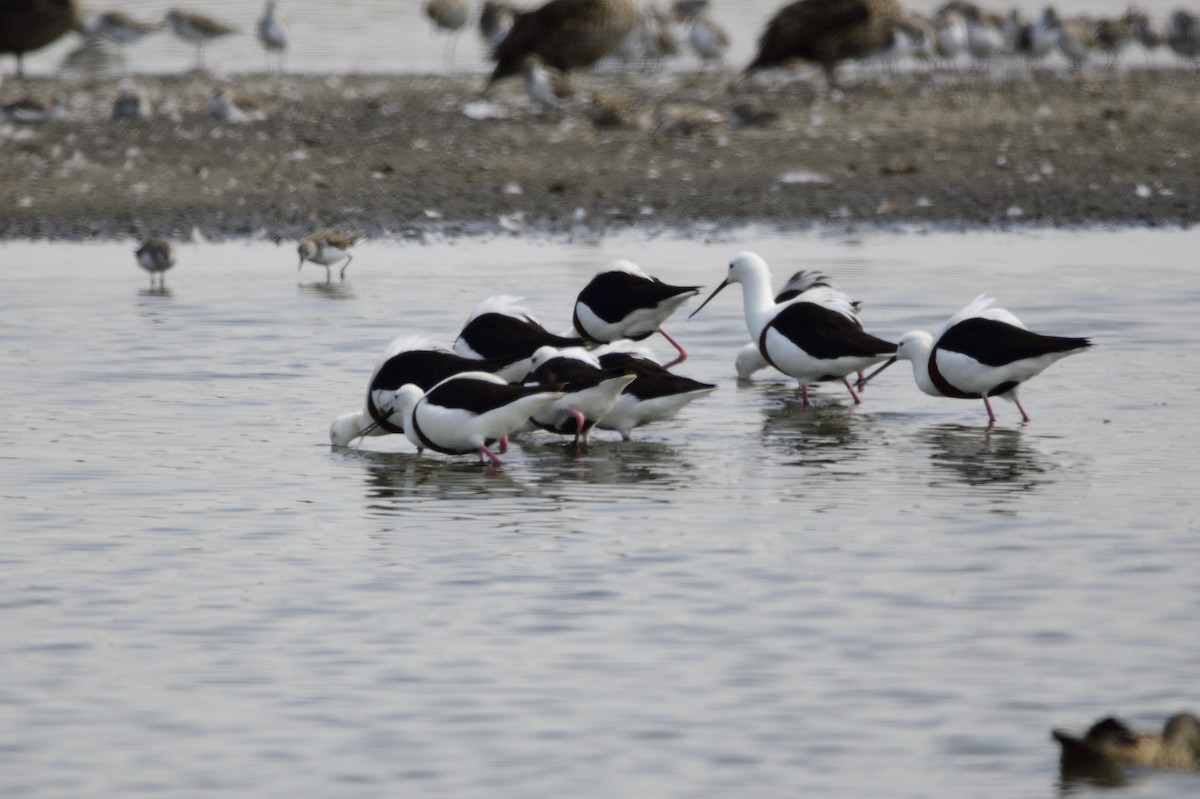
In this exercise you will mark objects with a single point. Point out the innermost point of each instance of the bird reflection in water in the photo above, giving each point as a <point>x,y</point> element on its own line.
<point>609,462</point>
<point>985,456</point>
<point>394,480</point>
<point>829,435</point>
<point>331,291</point>
<point>156,291</point>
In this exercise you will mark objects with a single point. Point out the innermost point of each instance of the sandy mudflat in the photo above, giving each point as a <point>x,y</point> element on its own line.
<point>397,155</point>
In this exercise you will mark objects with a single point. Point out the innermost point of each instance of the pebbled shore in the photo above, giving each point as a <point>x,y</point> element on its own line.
<point>397,155</point>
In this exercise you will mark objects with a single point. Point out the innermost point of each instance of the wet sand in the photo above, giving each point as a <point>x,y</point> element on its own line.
<point>398,156</point>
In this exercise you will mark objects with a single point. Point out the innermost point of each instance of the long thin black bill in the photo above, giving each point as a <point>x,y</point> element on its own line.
<point>863,380</point>
<point>710,296</point>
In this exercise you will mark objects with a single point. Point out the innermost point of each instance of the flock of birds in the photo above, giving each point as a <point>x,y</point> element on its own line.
<point>563,35</point>
<point>505,373</point>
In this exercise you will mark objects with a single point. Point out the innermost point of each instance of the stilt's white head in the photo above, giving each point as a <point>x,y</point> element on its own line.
<point>345,429</point>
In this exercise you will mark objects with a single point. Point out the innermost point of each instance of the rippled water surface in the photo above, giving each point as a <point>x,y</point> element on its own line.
<point>391,36</point>
<point>201,597</point>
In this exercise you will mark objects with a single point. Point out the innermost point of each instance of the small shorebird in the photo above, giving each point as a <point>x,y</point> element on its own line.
<point>566,34</point>
<point>156,256</point>
<point>118,27</point>
<point>708,38</point>
<point>980,352</point>
<point>500,329</point>
<point>657,395</point>
<point>1075,40</point>
<point>272,35</point>
<point>468,413</point>
<point>449,16</point>
<point>949,34</point>
<point>1110,745</point>
<point>547,88</point>
<point>131,104</point>
<point>655,36</point>
<point>28,25</point>
<point>328,247</point>
<point>985,38</point>
<point>1112,35</point>
<point>1039,38</point>
<point>28,111</point>
<point>623,302</point>
<point>814,337</point>
<point>197,29</point>
<point>589,391</point>
<point>1183,34</point>
<point>229,106</point>
<point>407,359</point>
<point>1148,33</point>
<point>826,32</point>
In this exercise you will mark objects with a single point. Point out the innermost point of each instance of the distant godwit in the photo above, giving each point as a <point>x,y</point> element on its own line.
<point>197,29</point>
<point>272,35</point>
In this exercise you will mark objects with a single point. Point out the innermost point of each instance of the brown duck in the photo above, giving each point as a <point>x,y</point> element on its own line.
<point>28,25</point>
<point>1110,745</point>
<point>565,34</point>
<point>826,32</point>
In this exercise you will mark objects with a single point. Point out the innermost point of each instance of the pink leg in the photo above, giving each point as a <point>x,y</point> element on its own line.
<point>803,395</point>
<point>483,450</point>
<point>503,444</point>
<point>991,415</point>
<point>579,422</point>
<point>1021,408</point>
<point>850,388</point>
<point>682,352</point>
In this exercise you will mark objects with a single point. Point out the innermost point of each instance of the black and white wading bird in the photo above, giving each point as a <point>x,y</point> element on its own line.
<point>814,337</point>
<point>623,302</point>
<point>406,359</point>
<point>468,412</point>
<point>980,352</point>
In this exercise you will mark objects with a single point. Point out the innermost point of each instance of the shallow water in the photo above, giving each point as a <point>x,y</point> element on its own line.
<point>389,36</point>
<point>200,596</point>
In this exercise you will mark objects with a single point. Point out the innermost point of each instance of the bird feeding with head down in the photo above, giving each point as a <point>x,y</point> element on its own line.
<point>981,352</point>
<point>623,302</point>
<point>468,412</point>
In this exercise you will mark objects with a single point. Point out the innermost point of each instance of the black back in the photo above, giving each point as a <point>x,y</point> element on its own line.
<point>652,379</point>
<point>497,335</point>
<point>569,374</point>
<point>613,295</point>
<point>825,334</point>
<point>478,396</point>
<point>995,343</point>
